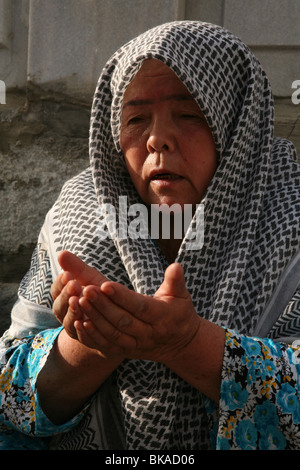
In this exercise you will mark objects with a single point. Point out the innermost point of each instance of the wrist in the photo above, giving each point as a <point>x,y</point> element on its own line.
<point>200,361</point>
<point>70,376</point>
<point>77,355</point>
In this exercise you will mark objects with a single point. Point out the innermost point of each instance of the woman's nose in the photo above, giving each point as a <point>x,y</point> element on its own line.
<point>161,137</point>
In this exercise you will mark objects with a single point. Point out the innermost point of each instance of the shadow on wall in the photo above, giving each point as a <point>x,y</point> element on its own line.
<point>43,143</point>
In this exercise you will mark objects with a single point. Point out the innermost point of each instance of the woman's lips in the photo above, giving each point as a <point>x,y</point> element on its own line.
<point>165,180</point>
<point>164,176</point>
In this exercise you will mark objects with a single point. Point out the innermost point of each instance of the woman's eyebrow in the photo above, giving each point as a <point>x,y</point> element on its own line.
<point>176,97</point>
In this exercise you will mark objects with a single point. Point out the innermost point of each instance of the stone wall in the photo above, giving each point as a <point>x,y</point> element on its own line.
<point>51,54</point>
<point>43,143</point>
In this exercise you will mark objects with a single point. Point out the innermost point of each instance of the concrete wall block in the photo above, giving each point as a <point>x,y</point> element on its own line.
<point>264,22</point>
<point>13,42</point>
<point>281,67</point>
<point>210,11</point>
<point>5,23</point>
<point>70,41</point>
<point>41,146</point>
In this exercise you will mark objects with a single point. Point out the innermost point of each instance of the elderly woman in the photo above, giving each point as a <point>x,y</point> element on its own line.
<point>132,340</point>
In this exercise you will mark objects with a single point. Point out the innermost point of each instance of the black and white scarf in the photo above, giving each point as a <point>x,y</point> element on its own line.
<point>251,220</point>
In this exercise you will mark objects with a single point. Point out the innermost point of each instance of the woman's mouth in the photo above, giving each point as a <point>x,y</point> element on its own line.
<point>165,176</point>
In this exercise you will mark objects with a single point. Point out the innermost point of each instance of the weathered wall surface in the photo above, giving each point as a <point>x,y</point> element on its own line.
<point>51,54</point>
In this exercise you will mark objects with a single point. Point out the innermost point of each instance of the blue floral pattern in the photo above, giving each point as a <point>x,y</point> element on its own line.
<point>259,402</point>
<point>260,397</point>
<point>23,425</point>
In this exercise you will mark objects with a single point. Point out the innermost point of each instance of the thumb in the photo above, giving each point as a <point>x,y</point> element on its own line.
<point>174,283</point>
<point>81,271</point>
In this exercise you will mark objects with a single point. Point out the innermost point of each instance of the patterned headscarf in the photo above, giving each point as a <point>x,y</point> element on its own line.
<point>251,213</point>
<point>251,200</point>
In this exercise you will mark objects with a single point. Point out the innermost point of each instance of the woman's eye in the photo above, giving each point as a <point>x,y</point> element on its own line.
<point>190,116</point>
<point>194,118</point>
<point>187,116</point>
<point>135,120</point>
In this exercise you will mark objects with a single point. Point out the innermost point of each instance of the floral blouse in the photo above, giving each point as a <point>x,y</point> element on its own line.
<point>259,404</point>
<point>23,425</point>
<point>260,395</point>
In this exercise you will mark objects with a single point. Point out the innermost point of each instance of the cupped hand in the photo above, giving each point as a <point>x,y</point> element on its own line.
<point>67,288</point>
<point>124,323</point>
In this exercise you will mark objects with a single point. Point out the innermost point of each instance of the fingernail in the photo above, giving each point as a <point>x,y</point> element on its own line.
<point>66,277</point>
<point>90,294</point>
<point>84,305</point>
<point>108,289</point>
<point>71,286</point>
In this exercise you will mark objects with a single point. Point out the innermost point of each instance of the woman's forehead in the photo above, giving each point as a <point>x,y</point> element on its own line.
<point>151,67</point>
<point>153,79</point>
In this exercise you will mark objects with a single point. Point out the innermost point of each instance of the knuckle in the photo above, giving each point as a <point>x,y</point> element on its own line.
<point>124,323</point>
<point>53,291</point>
<point>57,287</point>
<point>56,307</point>
<point>69,327</point>
<point>115,335</point>
<point>142,308</point>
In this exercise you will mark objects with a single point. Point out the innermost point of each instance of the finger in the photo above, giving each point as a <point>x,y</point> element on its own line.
<point>90,336</point>
<point>101,327</point>
<point>83,335</point>
<point>141,306</point>
<point>137,304</point>
<point>109,318</point>
<point>79,269</point>
<point>115,323</point>
<point>73,315</point>
<point>174,283</point>
<point>61,303</point>
<point>59,283</point>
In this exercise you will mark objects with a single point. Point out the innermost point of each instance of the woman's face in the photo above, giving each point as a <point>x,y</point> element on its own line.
<point>168,146</point>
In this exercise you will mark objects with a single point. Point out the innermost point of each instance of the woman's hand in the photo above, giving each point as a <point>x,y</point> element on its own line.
<point>118,323</point>
<point>124,323</point>
<point>67,288</point>
<point>72,372</point>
